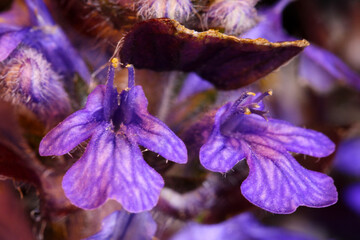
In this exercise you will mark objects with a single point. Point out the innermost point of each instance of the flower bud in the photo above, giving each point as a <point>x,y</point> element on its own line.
<point>27,79</point>
<point>179,10</point>
<point>234,16</point>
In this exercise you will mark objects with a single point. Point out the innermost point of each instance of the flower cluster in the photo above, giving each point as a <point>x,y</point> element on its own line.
<point>112,165</point>
<point>101,138</point>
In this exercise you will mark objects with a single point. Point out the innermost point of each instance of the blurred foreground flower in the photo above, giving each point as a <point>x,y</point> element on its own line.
<point>112,165</point>
<point>241,227</point>
<point>126,226</point>
<point>276,181</point>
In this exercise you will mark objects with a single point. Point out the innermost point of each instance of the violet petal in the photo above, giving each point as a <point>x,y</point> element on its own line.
<point>328,62</point>
<point>294,139</point>
<point>279,184</point>
<point>112,167</point>
<point>9,41</point>
<point>220,153</point>
<point>152,133</point>
<point>76,128</point>
<point>315,75</point>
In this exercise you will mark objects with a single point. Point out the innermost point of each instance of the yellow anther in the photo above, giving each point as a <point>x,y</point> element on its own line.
<point>256,105</point>
<point>270,92</point>
<point>115,62</point>
<point>251,93</point>
<point>128,65</point>
<point>247,111</point>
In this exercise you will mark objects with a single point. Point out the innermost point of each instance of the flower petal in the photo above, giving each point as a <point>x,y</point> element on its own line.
<point>112,167</point>
<point>334,66</point>
<point>152,133</point>
<point>125,226</point>
<point>9,41</point>
<point>76,128</point>
<point>300,140</point>
<point>292,138</point>
<point>279,184</point>
<point>220,153</point>
<point>39,13</point>
<point>315,75</point>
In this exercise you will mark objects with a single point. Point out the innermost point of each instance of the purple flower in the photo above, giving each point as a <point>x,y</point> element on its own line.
<point>112,165</point>
<point>276,181</point>
<point>234,16</point>
<point>46,37</point>
<point>347,158</point>
<point>317,66</point>
<point>27,79</point>
<point>125,226</point>
<point>241,227</point>
<point>180,10</point>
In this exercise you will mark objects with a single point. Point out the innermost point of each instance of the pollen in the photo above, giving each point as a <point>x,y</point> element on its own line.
<point>270,92</point>
<point>115,62</point>
<point>251,93</point>
<point>247,111</point>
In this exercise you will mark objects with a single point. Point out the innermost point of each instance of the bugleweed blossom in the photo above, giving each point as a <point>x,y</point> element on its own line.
<point>276,182</point>
<point>112,165</point>
<point>109,150</point>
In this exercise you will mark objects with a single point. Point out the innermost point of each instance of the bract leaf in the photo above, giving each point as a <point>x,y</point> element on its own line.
<point>225,61</point>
